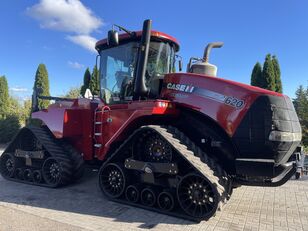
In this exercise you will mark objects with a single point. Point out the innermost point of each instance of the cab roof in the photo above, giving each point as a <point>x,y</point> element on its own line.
<point>155,36</point>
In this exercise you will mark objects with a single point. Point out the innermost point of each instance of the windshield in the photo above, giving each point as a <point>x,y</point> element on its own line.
<point>118,65</point>
<point>160,59</point>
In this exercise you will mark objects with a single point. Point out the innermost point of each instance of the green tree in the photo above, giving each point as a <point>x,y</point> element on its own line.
<point>301,106</point>
<point>42,82</point>
<point>26,111</point>
<point>268,73</point>
<point>86,81</point>
<point>94,82</point>
<point>277,74</point>
<point>4,97</point>
<point>8,128</point>
<point>256,76</point>
<point>74,92</point>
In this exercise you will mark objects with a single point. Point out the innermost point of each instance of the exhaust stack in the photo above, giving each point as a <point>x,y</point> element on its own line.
<point>202,66</point>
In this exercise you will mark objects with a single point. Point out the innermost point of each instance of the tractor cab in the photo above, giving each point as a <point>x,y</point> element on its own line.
<point>132,68</point>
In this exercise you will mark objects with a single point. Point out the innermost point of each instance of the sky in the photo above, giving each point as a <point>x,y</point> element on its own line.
<point>62,34</point>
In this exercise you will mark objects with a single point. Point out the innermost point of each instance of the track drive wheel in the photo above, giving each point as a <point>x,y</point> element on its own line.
<point>197,196</point>
<point>8,165</point>
<point>153,148</point>
<point>112,180</point>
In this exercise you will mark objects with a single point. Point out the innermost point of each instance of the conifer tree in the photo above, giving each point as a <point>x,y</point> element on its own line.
<point>4,97</point>
<point>256,75</point>
<point>86,82</point>
<point>301,107</point>
<point>277,74</point>
<point>268,74</point>
<point>94,82</point>
<point>42,83</point>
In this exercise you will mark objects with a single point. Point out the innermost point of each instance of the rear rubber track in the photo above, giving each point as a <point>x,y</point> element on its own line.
<point>52,149</point>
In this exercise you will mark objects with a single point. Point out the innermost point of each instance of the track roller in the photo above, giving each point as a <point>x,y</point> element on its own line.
<point>148,197</point>
<point>165,201</point>
<point>112,180</point>
<point>37,176</point>
<point>19,173</point>
<point>8,165</point>
<point>132,193</point>
<point>197,196</point>
<point>28,175</point>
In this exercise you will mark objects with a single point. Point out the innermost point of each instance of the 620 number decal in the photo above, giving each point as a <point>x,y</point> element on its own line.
<point>234,102</point>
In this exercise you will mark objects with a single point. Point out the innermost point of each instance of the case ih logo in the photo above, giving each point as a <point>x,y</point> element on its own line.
<point>228,100</point>
<point>180,87</point>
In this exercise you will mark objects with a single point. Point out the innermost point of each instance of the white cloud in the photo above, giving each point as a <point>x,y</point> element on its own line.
<point>19,89</point>
<point>75,65</point>
<point>65,15</point>
<point>70,16</point>
<point>86,41</point>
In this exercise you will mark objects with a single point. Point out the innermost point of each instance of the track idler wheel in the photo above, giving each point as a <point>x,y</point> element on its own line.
<point>165,201</point>
<point>8,165</point>
<point>112,180</point>
<point>197,196</point>
<point>28,175</point>
<point>132,193</point>
<point>37,176</point>
<point>52,172</point>
<point>148,197</point>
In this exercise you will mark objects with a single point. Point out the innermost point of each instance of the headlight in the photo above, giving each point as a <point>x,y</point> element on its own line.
<point>285,136</point>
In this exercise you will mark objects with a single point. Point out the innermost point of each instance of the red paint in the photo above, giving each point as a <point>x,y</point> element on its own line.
<point>155,34</point>
<point>226,116</point>
<point>75,122</point>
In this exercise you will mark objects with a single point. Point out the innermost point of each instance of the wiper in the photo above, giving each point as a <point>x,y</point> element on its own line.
<point>132,34</point>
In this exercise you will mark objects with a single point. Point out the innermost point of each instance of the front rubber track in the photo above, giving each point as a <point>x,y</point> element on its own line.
<point>199,163</point>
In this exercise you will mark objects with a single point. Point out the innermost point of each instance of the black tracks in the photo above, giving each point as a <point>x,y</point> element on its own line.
<point>197,160</point>
<point>51,148</point>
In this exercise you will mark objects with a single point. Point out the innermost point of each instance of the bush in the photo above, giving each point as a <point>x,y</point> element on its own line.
<point>9,128</point>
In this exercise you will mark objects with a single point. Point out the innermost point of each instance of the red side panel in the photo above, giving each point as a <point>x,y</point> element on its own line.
<point>226,102</point>
<point>72,121</point>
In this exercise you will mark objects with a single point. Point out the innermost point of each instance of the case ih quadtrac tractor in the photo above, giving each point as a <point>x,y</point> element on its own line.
<point>176,143</point>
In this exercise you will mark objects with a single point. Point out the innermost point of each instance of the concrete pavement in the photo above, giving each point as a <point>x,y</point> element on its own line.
<point>82,207</point>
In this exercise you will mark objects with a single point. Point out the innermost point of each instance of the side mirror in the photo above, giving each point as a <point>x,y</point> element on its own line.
<point>113,38</point>
<point>180,62</point>
<point>180,65</point>
<point>97,61</point>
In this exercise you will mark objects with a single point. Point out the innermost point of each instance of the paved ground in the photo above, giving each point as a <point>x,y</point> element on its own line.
<point>82,207</point>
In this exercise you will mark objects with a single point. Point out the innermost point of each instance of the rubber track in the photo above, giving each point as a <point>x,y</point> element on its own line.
<point>51,145</point>
<point>205,165</point>
<point>189,151</point>
<point>77,161</point>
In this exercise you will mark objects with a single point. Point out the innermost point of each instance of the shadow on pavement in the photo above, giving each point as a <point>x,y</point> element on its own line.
<point>83,197</point>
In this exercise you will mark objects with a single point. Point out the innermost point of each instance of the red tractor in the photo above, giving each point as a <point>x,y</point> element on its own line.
<point>176,143</point>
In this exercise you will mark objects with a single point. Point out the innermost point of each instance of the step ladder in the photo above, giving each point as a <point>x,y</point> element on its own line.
<point>99,122</point>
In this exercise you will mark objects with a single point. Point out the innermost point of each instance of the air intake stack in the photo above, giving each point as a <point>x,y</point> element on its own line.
<point>202,66</point>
